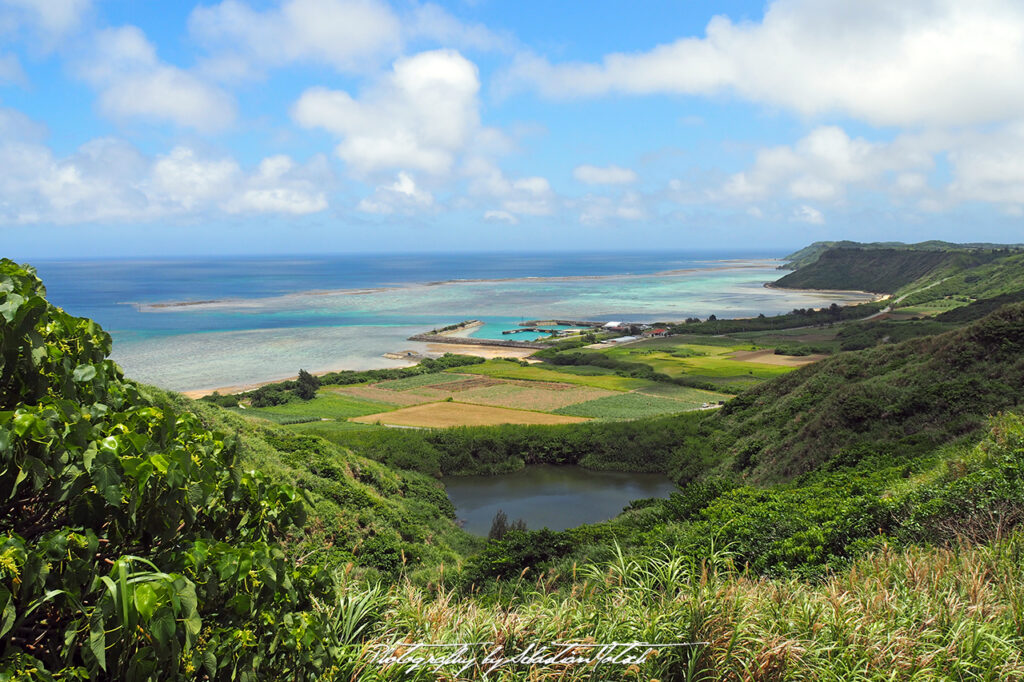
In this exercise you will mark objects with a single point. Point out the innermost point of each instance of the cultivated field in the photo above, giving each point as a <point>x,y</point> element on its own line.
<point>326,405</point>
<point>495,392</point>
<point>440,415</point>
<point>503,369</point>
<point>626,406</point>
<point>718,361</point>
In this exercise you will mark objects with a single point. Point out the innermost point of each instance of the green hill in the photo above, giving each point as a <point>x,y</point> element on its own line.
<point>811,253</point>
<point>880,271</point>
<point>899,398</point>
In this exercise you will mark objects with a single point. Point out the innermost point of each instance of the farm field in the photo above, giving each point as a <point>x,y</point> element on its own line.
<point>694,397</point>
<point>627,406</point>
<point>492,396</point>
<point>372,393</point>
<point>728,363</point>
<point>326,405</point>
<point>419,381</point>
<point>444,414</point>
<point>503,369</point>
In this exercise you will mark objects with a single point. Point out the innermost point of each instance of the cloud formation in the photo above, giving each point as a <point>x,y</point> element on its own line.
<point>344,34</point>
<point>914,62</point>
<point>606,175</point>
<point>419,117</point>
<point>46,21</point>
<point>109,180</point>
<point>133,83</point>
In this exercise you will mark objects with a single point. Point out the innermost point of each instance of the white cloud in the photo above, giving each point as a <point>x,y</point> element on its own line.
<point>420,117</point>
<point>110,180</point>
<point>530,196</point>
<point>345,34</point>
<point>808,214</point>
<point>10,70</point>
<point>501,217</point>
<point>282,186</point>
<point>604,175</point>
<point>47,21</point>
<point>402,196</point>
<point>989,166</point>
<point>187,181</point>
<point>431,22</point>
<point>824,163</point>
<point>891,63</point>
<point>597,210</point>
<point>134,83</point>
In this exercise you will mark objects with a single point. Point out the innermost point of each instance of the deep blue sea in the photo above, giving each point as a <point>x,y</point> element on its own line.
<point>264,318</point>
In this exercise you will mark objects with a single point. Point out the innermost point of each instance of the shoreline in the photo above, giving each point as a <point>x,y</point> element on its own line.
<point>477,350</point>
<point>875,296</point>
<point>464,345</point>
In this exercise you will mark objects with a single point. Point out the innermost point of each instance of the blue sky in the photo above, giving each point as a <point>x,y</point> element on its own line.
<point>300,126</point>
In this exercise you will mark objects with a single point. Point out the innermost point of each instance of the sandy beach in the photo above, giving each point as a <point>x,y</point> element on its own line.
<point>434,349</point>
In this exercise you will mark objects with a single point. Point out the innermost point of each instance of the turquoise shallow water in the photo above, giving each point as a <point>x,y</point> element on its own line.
<point>344,314</point>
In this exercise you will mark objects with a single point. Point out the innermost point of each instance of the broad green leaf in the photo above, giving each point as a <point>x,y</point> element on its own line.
<point>98,638</point>
<point>146,600</point>
<point>7,612</point>
<point>106,475</point>
<point>241,604</point>
<point>163,626</point>
<point>84,373</point>
<point>25,422</point>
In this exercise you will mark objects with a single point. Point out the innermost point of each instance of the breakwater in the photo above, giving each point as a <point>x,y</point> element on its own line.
<point>562,323</point>
<point>468,341</point>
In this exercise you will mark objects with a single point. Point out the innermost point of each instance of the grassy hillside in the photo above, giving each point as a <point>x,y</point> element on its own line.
<point>903,397</point>
<point>811,253</point>
<point>880,271</point>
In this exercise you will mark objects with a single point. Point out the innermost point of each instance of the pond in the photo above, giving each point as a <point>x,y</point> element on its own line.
<point>557,497</point>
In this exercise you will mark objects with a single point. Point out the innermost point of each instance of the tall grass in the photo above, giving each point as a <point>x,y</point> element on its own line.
<point>921,613</point>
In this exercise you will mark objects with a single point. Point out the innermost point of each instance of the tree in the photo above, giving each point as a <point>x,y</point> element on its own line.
<point>499,526</point>
<point>307,385</point>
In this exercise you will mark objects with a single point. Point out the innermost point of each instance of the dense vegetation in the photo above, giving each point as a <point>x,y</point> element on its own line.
<point>146,536</point>
<point>812,252</point>
<point>134,542</point>
<point>906,397</point>
<point>881,271</point>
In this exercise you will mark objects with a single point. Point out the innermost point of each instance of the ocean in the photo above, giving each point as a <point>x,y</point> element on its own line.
<point>248,320</point>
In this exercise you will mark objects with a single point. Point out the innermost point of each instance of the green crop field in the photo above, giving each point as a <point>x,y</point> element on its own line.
<point>627,406</point>
<point>503,369</point>
<point>326,405</point>
<point>333,431</point>
<point>421,380</point>
<point>693,396</point>
<point>676,359</point>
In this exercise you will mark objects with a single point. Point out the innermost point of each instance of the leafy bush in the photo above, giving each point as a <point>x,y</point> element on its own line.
<point>130,545</point>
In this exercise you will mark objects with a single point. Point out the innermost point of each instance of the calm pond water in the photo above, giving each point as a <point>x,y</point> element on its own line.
<point>557,497</point>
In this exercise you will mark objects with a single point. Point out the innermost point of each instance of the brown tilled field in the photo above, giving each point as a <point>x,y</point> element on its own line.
<point>383,395</point>
<point>528,395</point>
<point>444,414</point>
